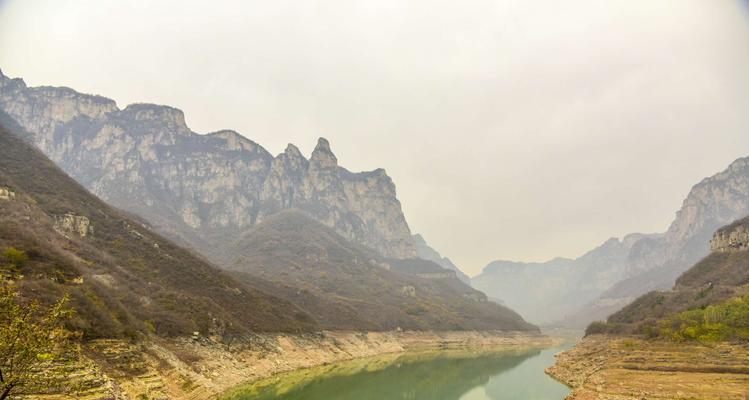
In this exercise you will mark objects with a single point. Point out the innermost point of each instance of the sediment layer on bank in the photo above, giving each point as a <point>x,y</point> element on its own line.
<point>198,368</point>
<point>604,367</point>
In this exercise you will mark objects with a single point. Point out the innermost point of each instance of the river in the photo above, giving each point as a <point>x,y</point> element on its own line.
<point>440,375</point>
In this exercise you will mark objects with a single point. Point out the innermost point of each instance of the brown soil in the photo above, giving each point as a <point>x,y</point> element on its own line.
<point>202,369</point>
<point>622,368</point>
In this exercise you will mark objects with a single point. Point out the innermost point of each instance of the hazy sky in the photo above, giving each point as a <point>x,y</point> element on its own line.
<point>513,129</point>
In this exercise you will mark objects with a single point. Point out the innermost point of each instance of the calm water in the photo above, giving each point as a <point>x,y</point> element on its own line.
<point>446,375</point>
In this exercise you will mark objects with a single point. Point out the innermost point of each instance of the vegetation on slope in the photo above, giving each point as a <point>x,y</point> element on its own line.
<point>708,303</point>
<point>31,339</point>
<point>347,286</point>
<point>123,280</point>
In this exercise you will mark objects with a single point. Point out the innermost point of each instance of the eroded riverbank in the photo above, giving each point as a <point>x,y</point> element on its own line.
<point>202,369</point>
<point>625,368</point>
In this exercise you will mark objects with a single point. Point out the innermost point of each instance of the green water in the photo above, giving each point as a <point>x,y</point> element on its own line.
<point>444,375</point>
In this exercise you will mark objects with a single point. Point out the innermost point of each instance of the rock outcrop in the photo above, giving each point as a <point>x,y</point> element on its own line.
<point>734,237</point>
<point>6,193</point>
<point>70,224</point>
<point>201,189</point>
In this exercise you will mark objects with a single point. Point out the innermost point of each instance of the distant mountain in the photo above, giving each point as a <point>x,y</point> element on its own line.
<point>712,203</point>
<point>124,280</point>
<point>614,274</point>
<point>202,190</point>
<point>546,292</point>
<point>424,251</point>
<point>348,286</point>
<point>715,279</point>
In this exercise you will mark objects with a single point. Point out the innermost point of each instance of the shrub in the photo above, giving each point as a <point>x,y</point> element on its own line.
<point>15,257</point>
<point>728,321</point>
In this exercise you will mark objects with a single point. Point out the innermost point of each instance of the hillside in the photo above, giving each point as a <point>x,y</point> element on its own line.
<point>690,342</point>
<point>614,274</point>
<point>124,280</point>
<point>717,280</point>
<point>426,252</point>
<point>347,286</point>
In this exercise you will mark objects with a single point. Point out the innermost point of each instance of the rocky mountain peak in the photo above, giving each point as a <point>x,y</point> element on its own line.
<point>202,189</point>
<point>236,142</point>
<point>293,151</point>
<point>172,117</point>
<point>322,155</point>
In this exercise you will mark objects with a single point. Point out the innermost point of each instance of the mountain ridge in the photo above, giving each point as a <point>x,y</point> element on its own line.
<point>123,279</point>
<point>643,262</point>
<point>201,188</point>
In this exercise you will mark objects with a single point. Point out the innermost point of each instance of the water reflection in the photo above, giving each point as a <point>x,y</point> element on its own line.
<point>444,375</point>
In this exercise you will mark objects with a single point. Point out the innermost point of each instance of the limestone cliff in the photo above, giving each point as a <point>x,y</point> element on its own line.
<point>201,189</point>
<point>731,238</point>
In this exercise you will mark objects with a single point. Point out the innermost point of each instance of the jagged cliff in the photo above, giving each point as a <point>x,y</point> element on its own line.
<point>731,238</point>
<point>201,189</point>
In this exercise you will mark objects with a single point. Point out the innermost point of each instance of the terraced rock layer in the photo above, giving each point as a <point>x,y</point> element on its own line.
<point>622,368</point>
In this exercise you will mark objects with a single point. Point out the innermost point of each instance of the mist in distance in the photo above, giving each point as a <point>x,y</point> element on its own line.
<point>512,129</point>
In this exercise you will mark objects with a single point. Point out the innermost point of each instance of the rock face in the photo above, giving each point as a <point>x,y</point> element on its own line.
<point>201,189</point>
<point>6,194</point>
<point>71,224</point>
<point>732,238</point>
<point>424,251</point>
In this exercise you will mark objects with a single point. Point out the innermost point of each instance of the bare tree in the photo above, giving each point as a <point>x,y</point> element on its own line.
<point>32,337</point>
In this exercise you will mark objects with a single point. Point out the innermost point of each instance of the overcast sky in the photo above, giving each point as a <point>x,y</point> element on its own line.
<point>513,129</point>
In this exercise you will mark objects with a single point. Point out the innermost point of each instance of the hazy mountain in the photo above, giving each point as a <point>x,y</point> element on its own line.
<point>348,286</point>
<point>712,203</point>
<point>720,276</point>
<point>546,292</point>
<point>614,274</point>
<point>202,190</point>
<point>124,280</point>
<point>424,251</point>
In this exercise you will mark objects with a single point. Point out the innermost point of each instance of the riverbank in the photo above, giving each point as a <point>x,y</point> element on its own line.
<point>193,369</point>
<point>604,367</point>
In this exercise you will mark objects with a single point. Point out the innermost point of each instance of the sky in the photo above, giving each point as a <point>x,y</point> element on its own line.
<point>513,129</point>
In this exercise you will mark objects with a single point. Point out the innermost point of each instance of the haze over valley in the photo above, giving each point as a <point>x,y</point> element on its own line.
<point>271,200</point>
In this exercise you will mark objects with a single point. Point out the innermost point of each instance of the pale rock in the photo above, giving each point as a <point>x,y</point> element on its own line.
<point>202,189</point>
<point>72,224</point>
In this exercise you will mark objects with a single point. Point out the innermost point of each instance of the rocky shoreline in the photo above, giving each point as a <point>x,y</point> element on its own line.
<point>199,368</point>
<point>604,367</point>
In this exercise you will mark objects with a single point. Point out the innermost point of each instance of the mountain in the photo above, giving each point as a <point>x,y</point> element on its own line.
<point>545,292</point>
<point>348,286</point>
<point>712,203</point>
<point>201,190</point>
<point>424,251</point>
<point>719,277</point>
<point>124,280</point>
<point>614,274</point>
